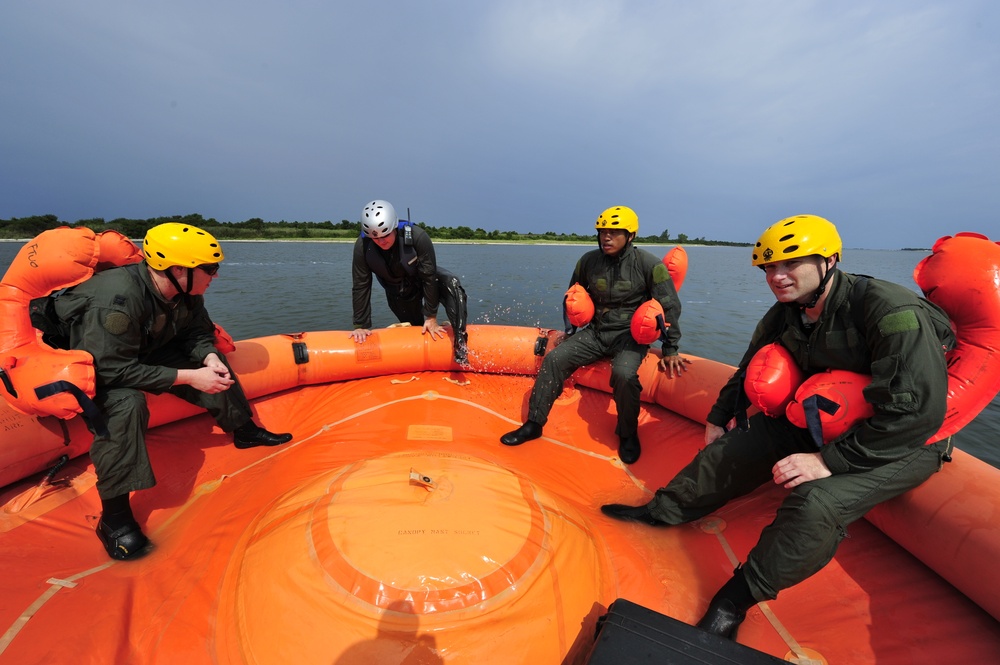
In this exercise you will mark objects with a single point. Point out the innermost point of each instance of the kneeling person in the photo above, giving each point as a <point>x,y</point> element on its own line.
<point>401,256</point>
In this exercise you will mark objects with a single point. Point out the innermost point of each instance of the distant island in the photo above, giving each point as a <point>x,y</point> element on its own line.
<point>345,230</point>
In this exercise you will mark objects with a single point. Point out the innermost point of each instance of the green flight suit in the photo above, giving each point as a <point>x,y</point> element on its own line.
<point>896,341</point>
<point>617,285</point>
<point>139,340</point>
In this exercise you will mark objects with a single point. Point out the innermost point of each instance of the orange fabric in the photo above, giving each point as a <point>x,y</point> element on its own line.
<point>771,380</point>
<point>268,555</point>
<point>55,259</point>
<point>579,306</point>
<point>644,326</point>
<point>676,261</point>
<point>843,389</point>
<point>962,276</point>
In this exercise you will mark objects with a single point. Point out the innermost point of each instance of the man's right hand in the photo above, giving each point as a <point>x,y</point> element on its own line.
<point>359,334</point>
<point>713,433</point>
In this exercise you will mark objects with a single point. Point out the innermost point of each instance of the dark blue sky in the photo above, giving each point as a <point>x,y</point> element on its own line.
<point>711,118</point>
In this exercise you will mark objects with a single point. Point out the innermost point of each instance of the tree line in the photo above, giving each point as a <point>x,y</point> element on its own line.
<point>258,229</point>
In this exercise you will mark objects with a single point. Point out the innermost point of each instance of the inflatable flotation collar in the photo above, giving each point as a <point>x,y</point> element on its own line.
<point>772,377</point>
<point>648,323</point>
<point>578,306</point>
<point>39,380</point>
<point>676,261</point>
<point>962,277</point>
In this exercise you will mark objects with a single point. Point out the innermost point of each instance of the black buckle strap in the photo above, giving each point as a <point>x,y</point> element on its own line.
<point>7,383</point>
<point>90,412</point>
<point>812,406</point>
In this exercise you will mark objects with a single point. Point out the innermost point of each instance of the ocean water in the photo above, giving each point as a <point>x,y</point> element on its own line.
<point>267,288</point>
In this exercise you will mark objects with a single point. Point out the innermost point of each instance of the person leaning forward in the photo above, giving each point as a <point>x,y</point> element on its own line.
<point>618,277</point>
<point>147,329</point>
<point>894,339</point>
<point>401,257</point>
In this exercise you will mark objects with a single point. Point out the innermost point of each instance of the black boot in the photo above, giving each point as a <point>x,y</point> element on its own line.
<point>118,531</point>
<point>629,449</point>
<point>124,543</point>
<point>526,432</point>
<point>729,607</point>
<point>251,436</point>
<point>625,513</point>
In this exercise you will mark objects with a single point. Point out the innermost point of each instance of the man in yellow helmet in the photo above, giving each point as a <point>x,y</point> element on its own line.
<point>619,277</point>
<point>148,331</point>
<point>826,319</point>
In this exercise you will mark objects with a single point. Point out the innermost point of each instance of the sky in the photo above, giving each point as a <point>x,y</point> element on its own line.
<point>711,118</point>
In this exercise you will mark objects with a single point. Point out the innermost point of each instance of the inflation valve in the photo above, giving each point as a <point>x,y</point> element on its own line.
<point>417,478</point>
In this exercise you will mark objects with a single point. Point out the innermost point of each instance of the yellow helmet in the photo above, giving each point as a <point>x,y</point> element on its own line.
<point>794,237</point>
<point>618,217</point>
<point>175,244</point>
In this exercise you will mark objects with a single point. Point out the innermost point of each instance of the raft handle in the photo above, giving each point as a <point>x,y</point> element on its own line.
<point>541,342</point>
<point>301,352</point>
<point>7,383</point>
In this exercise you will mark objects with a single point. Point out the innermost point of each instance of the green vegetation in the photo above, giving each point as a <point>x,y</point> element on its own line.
<point>258,229</point>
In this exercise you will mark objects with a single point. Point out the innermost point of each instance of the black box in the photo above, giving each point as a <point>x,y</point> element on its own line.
<point>631,633</point>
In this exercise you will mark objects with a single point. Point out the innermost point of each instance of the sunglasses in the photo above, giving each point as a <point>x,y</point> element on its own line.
<point>210,268</point>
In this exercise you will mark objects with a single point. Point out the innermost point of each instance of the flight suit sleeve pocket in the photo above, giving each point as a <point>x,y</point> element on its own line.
<point>891,390</point>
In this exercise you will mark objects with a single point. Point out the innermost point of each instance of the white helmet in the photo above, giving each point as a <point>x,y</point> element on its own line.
<point>378,219</point>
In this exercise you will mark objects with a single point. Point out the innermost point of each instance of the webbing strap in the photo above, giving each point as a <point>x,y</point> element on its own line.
<point>7,383</point>
<point>661,325</point>
<point>811,406</point>
<point>90,412</point>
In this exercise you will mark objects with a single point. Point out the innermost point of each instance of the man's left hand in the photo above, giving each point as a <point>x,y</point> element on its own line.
<point>673,365</point>
<point>431,326</point>
<point>213,361</point>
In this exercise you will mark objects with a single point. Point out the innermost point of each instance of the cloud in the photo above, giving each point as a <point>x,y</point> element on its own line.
<point>711,118</point>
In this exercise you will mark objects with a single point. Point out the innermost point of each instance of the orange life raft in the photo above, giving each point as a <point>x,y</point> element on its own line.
<point>479,553</point>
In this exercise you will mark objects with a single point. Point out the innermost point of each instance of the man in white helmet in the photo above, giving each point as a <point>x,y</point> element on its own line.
<point>401,257</point>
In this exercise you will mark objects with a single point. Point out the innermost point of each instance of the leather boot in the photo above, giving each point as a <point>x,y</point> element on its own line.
<point>251,436</point>
<point>123,543</point>
<point>729,607</point>
<point>526,432</point>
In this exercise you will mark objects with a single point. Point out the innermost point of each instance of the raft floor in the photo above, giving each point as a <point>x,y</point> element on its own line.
<point>326,550</point>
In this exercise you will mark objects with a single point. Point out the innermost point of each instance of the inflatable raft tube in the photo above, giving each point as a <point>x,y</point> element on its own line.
<point>396,527</point>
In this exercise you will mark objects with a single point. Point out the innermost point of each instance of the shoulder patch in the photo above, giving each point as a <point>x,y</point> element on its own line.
<point>898,322</point>
<point>660,273</point>
<point>116,323</point>
<point>119,300</point>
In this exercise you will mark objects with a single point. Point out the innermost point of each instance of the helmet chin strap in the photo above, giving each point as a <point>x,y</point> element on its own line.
<point>176,284</point>
<point>822,287</point>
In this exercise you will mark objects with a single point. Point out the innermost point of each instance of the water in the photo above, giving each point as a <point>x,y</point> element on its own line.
<point>266,288</point>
